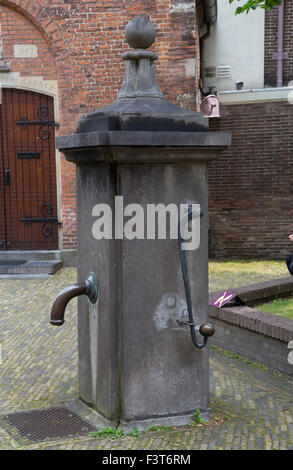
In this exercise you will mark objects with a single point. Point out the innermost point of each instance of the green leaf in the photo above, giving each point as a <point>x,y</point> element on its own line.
<point>254,4</point>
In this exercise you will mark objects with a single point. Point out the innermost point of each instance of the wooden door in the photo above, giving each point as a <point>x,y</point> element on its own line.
<point>28,207</point>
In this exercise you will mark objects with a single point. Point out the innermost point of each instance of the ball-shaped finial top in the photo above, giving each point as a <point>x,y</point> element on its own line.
<point>140,33</point>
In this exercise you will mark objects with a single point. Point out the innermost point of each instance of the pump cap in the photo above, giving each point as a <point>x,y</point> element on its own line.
<point>140,33</point>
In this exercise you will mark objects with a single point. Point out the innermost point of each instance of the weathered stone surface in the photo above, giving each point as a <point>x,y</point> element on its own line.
<point>159,364</point>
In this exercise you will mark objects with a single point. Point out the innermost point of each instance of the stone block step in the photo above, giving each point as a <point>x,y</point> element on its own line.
<point>31,255</point>
<point>28,267</point>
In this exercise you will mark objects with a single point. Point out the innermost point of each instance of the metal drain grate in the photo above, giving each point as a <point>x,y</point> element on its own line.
<point>47,424</point>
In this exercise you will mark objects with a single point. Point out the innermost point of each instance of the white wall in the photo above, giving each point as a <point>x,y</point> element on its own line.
<point>238,42</point>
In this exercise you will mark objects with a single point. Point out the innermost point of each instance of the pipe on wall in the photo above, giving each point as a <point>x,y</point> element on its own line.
<point>280,53</point>
<point>210,9</point>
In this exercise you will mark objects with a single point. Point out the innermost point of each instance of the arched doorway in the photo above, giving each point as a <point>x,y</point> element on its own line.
<point>28,195</point>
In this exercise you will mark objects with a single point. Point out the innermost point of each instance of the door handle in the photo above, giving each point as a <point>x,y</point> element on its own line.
<point>6,177</point>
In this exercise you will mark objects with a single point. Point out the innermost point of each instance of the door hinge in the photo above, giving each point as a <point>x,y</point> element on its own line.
<point>6,177</point>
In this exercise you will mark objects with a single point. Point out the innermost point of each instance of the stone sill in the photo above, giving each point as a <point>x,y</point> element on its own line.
<point>255,320</point>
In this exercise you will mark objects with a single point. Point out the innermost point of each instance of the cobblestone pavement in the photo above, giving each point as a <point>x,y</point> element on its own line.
<point>251,405</point>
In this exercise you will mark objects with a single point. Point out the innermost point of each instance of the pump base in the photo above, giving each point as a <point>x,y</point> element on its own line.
<point>96,419</point>
<point>178,420</point>
<point>88,413</point>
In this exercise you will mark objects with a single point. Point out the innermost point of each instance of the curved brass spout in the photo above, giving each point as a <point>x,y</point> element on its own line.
<point>89,288</point>
<point>61,301</point>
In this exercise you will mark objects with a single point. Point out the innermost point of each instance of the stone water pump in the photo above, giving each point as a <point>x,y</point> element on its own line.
<point>139,299</point>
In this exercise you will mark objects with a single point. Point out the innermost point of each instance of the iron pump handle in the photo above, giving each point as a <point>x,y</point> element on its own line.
<point>206,329</point>
<point>88,287</point>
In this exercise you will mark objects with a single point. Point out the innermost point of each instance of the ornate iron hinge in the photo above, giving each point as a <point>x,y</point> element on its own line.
<point>47,228</point>
<point>43,122</point>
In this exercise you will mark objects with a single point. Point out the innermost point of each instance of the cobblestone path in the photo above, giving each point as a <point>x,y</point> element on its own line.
<point>251,405</point>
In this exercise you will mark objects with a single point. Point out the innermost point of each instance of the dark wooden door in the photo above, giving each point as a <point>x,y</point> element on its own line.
<point>28,207</point>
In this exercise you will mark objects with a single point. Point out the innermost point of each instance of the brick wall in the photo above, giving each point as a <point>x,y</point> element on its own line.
<point>251,184</point>
<point>251,197</point>
<point>16,29</point>
<point>80,44</point>
<point>257,335</point>
<point>271,36</point>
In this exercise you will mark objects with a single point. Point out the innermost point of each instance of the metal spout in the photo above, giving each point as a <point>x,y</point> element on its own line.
<point>89,288</point>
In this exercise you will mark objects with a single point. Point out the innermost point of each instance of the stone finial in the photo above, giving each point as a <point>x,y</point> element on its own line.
<point>140,33</point>
<point>140,105</point>
<point>140,80</point>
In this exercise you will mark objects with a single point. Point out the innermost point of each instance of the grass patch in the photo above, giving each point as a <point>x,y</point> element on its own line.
<point>226,274</point>
<point>281,307</point>
<point>109,432</point>
<point>197,419</point>
<point>134,433</point>
<point>232,355</point>
<point>159,428</point>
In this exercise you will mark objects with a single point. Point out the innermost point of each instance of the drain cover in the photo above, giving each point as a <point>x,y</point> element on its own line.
<point>43,425</point>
